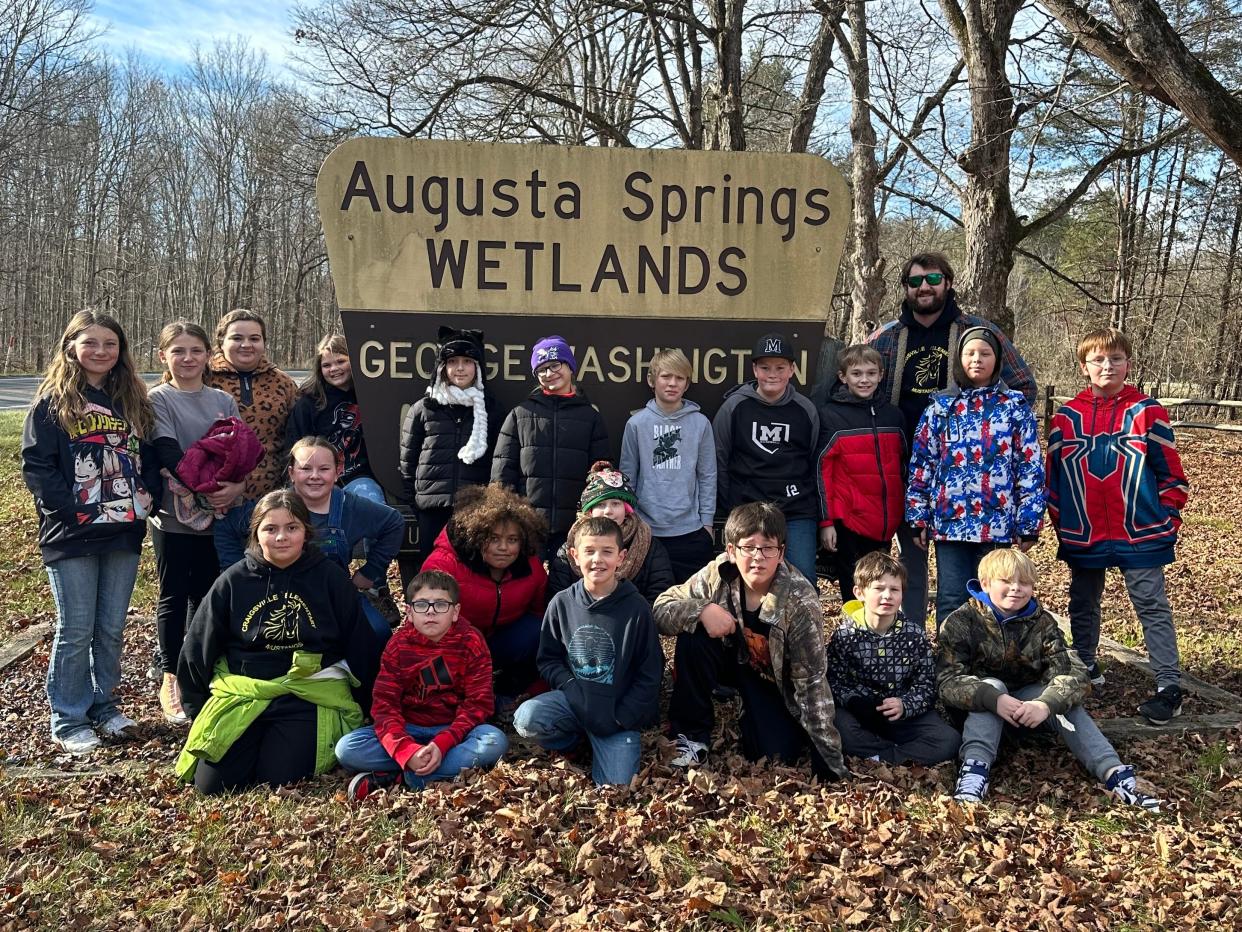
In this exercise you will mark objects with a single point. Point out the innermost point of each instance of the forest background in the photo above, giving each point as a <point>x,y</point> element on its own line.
<point>1078,161</point>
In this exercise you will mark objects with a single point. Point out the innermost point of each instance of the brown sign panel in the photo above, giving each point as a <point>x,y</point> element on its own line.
<point>620,251</point>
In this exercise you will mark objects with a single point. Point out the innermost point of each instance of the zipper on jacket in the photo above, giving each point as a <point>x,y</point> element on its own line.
<point>496,614</point>
<point>879,465</point>
<point>556,415</point>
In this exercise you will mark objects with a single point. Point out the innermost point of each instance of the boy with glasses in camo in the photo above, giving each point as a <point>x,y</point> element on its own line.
<point>749,620</point>
<point>431,700</point>
<point>1116,490</point>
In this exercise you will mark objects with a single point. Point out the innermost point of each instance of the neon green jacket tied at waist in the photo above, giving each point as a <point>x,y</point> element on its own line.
<point>236,701</point>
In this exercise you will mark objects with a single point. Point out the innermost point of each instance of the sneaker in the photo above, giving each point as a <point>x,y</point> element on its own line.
<point>1164,706</point>
<point>972,781</point>
<point>690,753</point>
<point>1124,786</point>
<point>82,741</point>
<point>170,701</point>
<point>367,782</point>
<point>1097,678</point>
<point>117,726</point>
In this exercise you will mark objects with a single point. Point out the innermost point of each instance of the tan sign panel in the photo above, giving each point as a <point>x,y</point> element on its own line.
<point>562,231</point>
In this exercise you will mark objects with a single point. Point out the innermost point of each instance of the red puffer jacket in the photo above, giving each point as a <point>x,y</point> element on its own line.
<point>862,464</point>
<point>485,603</point>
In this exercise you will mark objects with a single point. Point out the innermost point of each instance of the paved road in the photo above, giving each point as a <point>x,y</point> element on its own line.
<point>17,390</point>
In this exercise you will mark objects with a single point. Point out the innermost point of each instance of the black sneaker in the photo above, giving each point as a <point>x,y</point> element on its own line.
<point>367,782</point>
<point>1164,706</point>
<point>1097,678</point>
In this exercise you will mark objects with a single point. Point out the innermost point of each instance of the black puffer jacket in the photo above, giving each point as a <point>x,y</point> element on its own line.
<point>546,446</point>
<point>431,436</point>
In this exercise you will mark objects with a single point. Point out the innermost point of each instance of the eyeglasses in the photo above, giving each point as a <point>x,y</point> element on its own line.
<point>932,278</point>
<point>1116,361</point>
<point>768,552</point>
<point>548,369</point>
<point>427,607</point>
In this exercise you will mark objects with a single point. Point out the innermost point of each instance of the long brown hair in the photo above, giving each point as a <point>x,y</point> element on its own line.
<point>314,383</point>
<point>179,328</point>
<point>65,382</point>
<point>272,501</point>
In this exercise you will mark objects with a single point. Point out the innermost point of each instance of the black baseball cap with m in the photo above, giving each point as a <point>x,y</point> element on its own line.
<point>774,345</point>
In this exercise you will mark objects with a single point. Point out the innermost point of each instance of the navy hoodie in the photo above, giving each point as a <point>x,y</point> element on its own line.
<point>604,655</point>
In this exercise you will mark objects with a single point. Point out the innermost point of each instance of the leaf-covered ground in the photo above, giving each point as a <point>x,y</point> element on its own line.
<point>116,842</point>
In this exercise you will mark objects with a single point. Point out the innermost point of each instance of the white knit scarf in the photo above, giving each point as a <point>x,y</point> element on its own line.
<point>449,394</point>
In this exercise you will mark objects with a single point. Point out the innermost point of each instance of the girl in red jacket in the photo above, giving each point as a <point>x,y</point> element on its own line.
<point>490,547</point>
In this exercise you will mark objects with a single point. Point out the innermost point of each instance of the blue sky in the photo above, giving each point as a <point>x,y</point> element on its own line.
<point>164,32</point>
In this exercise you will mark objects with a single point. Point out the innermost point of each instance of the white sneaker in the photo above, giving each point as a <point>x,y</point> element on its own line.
<point>118,726</point>
<point>690,753</point>
<point>972,782</point>
<point>82,741</point>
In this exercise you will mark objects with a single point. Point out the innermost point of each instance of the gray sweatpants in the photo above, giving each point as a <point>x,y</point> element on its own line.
<point>1147,594</point>
<point>981,735</point>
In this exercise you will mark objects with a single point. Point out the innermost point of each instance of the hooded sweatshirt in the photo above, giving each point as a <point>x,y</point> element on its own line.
<point>916,359</point>
<point>976,472</point>
<point>339,421</point>
<point>93,486</point>
<point>1116,487</point>
<point>765,451</point>
<point>976,642</point>
<point>264,397</point>
<point>257,615</point>
<point>422,682</point>
<point>672,459</point>
<point>868,666</point>
<point>604,655</point>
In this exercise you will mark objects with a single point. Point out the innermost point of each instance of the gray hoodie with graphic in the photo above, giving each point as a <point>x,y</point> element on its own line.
<point>671,459</point>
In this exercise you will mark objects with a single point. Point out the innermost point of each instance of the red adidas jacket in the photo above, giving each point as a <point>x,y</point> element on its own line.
<point>423,683</point>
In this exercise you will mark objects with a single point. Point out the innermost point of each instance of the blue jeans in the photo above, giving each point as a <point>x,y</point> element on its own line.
<point>548,719</point>
<point>366,487</point>
<point>981,735</point>
<point>801,542</point>
<point>92,595</point>
<point>957,562</point>
<point>360,751</point>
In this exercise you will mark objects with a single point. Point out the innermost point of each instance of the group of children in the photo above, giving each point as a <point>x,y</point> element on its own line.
<point>631,556</point>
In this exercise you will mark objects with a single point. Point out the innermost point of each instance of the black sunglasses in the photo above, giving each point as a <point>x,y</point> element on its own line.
<point>932,278</point>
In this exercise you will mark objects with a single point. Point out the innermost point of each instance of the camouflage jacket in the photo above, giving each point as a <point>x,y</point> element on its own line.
<point>796,641</point>
<point>1020,651</point>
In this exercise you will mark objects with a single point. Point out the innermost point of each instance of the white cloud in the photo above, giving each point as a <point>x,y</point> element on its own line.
<point>164,32</point>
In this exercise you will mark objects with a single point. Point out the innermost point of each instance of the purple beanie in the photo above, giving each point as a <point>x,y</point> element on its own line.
<point>552,349</point>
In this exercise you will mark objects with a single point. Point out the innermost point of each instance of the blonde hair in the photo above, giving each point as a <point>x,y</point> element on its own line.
<point>315,442</point>
<point>314,384</point>
<point>1104,340</point>
<point>65,383</point>
<point>179,328</point>
<point>670,360</point>
<point>1008,563</point>
<point>859,354</point>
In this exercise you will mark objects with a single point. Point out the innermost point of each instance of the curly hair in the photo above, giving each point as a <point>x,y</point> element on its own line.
<point>479,508</point>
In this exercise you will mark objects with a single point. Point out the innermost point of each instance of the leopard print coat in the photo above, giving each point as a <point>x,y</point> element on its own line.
<point>264,397</point>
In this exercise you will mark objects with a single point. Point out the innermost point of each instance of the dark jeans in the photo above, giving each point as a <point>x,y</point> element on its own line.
<point>924,739</point>
<point>768,730</point>
<point>689,553</point>
<point>851,548</point>
<point>431,522</point>
<point>957,563</point>
<point>513,648</point>
<point>186,566</point>
<point>277,748</point>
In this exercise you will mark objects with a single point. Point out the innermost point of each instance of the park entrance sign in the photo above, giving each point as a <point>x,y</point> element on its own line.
<point>621,251</point>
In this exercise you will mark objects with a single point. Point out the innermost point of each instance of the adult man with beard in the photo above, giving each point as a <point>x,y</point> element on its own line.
<point>916,348</point>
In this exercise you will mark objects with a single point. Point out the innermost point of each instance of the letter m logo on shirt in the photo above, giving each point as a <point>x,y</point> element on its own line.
<point>769,437</point>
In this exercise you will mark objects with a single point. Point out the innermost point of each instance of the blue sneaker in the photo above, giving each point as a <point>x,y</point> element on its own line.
<point>1123,784</point>
<point>972,781</point>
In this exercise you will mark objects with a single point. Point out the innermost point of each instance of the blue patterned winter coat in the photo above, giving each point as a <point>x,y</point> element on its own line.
<point>976,472</point>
